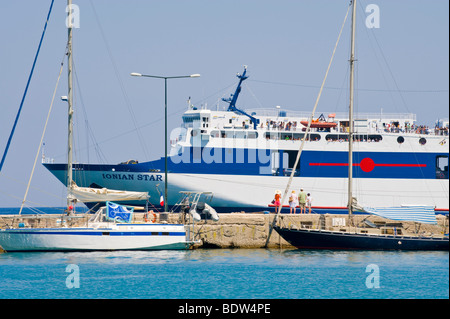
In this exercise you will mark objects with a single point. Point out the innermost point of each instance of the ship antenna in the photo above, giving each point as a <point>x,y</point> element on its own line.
<point>233,99</point>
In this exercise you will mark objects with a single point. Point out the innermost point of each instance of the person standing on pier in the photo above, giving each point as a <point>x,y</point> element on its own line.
<point>308,202</point>
<point>277,201</point>
<point>302,201</point>
<point>293,202</point>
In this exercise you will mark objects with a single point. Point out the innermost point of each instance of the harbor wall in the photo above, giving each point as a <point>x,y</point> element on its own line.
<point>244,230</point>
<point>251,230</point>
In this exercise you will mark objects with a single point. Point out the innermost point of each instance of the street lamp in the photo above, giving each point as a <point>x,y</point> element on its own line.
<point>165,121</point>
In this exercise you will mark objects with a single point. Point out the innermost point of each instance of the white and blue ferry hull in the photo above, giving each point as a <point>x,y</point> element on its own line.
<point>254,193</point>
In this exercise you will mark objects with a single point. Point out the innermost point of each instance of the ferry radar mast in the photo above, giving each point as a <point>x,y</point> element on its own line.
<point>233,99</point>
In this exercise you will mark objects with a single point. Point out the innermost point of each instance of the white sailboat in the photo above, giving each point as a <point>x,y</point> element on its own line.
<point>102,232</point>
<point>111,228</point>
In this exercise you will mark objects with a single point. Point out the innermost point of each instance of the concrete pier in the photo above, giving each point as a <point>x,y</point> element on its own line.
<point>237,230</point>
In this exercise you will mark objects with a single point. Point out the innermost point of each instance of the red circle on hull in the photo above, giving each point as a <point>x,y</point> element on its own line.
<point>367,164</point>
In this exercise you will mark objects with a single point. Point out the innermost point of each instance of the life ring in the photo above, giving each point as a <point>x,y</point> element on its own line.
<point>146,216</point>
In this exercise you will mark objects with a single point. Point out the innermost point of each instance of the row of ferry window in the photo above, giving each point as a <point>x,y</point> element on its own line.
<point>235,134</point>
<point>294,136</point>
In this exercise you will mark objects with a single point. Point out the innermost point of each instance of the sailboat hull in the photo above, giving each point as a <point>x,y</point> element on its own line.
<point>138,237</point>
<point>322,239</point>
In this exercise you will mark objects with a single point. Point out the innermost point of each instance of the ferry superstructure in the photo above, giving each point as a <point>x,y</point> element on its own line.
<point>244,156</point>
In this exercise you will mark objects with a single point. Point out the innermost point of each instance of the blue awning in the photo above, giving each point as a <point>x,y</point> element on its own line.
<point>420,214</point>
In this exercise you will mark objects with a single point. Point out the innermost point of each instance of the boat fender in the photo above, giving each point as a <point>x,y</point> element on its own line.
<point>195,215</point>
<point>212,212</point>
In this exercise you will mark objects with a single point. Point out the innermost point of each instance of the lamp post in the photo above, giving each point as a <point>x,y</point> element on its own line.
<point>165,121</point>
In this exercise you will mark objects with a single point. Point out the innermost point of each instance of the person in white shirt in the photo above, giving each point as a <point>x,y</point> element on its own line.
<point>308,202</point>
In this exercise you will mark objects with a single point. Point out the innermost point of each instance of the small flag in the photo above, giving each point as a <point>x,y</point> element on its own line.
<point>161,200</point>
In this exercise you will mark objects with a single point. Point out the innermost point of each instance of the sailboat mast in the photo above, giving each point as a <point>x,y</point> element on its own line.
<point>350,117</point>
<point>70,101</point>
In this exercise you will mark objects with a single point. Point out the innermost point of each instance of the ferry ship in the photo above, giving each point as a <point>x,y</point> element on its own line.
<point>244,155</point>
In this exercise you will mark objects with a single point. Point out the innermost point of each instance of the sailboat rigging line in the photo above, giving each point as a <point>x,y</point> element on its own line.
<point>306,132</point>
<point>340,88</point>
<point>34,204</point>
<point>89,132</point>
<point>397,89</point>
<point>122,87</point>
<point>42,136</point>
<point>19,182</point>
<point>309,86</point>
<point>26,89</point>
<point>253,94</point>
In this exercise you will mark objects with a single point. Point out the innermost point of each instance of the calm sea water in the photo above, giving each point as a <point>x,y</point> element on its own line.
<point>225,274</point>
<point>38,210</point>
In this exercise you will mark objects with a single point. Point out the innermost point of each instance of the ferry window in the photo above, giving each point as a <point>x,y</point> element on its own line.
<point>400,139</point>
<point>336,137</point>
<point>374,138</point>
<point>215,134</point>
<point>239,134</point>
<point>442,167</point>
<point>422,141</point>
<point>272,135</point>
<point>299,136</point>
<point>228,134</point>
<point>252,135</point>
<point>367,137</point>
<point>190,119</point>
<point>356,137</point>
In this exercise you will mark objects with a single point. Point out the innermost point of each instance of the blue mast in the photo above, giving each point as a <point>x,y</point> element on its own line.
<point>26,90</point>
<point>233,98</point>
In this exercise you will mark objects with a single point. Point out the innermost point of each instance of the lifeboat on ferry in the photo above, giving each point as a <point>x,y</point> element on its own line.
<point>321,122</point>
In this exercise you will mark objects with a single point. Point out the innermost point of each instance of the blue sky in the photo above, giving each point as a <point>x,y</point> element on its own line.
<point>286,44</point>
